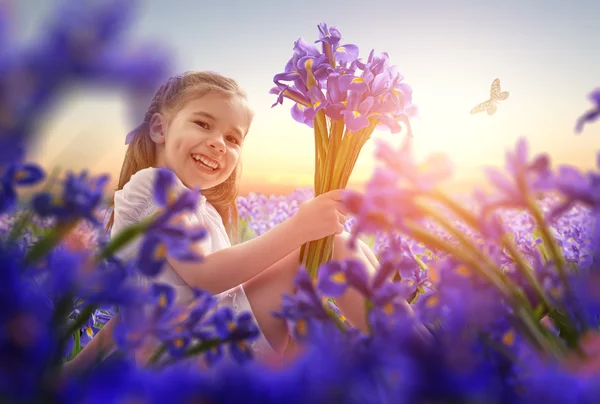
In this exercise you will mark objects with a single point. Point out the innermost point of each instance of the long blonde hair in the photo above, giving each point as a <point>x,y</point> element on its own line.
<point>169,99</point>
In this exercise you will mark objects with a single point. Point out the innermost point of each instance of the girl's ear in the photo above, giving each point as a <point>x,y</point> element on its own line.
<point>157,128</point>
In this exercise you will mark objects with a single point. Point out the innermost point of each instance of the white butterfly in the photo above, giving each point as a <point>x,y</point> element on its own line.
<point>491,105</point>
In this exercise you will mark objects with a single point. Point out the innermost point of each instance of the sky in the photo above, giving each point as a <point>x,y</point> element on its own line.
<point>545,53</point>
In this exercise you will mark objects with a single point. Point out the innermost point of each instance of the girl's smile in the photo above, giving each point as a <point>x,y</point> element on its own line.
<point>205,163</point>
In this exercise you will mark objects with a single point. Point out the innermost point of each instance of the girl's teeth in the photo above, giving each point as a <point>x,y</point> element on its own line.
<point>206,162</point>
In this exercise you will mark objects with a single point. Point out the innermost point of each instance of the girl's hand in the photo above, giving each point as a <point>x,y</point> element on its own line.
<point>321,216</point>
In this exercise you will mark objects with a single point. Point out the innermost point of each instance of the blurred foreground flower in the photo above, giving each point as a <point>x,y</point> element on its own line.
<point>591,115</point>
<point>78,44</point>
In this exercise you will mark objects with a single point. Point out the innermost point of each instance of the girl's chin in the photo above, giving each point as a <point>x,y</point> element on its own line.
<point>201,184</point>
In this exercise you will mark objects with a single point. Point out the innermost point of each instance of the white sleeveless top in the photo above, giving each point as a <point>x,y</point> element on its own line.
<point>136,201</point>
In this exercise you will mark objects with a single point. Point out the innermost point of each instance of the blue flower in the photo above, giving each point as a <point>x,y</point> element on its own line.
<point>162,237</point>
<point>236,331</point>
<point>591,115</point>
<point>28,343</point>
<point>303,310</point>
<point>525,177</point>
<point>80,199</point>
<point>13,175</point>
<point>89,330</point>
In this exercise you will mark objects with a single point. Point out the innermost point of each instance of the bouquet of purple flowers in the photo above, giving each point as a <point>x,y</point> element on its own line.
<point>344,99</point>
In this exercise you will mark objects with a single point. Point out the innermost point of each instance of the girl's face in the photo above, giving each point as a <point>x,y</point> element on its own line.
<point>203,142</point>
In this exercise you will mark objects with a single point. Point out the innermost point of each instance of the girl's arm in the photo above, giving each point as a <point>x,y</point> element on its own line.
<point>232,266</point>
<point>102,345</point>
<point>219,271</point>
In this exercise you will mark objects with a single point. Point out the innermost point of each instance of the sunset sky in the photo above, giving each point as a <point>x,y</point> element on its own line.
<point>546,54</point>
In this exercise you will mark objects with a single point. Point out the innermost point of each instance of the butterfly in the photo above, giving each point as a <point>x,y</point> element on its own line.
<point>495,96</point>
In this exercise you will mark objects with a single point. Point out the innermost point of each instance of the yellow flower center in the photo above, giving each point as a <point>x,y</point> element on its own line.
<point>20,174</point>
<point>433,301</point>
<point>160,252</point>
<point>463,271</point>
<point>301,326</point>
<point>509,337</point>
<point>338,277</point>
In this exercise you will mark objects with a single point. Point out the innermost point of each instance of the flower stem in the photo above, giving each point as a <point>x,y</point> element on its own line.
<point>527,272</point>
<point>520,307</point>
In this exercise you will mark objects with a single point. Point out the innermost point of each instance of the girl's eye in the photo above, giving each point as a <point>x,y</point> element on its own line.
<point>233,139</point>
<point>203,125</point>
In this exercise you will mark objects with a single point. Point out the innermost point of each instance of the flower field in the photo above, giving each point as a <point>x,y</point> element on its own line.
<point>489,298</point>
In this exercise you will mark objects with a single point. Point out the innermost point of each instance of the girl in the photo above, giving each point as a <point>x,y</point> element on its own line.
<point>196,126</point>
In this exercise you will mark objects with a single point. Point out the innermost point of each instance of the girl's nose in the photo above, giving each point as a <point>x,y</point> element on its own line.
<point>217,144</point>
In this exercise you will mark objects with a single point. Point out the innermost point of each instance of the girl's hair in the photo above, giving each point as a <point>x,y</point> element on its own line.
<point>169,99</point>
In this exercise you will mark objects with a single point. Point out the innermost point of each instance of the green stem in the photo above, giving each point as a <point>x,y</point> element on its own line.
<point>193,351</point>
<point>573,334</point>
<point>520,307</point>
<point>527,272</point>
<point>157,354</point>
<point>124,237</point>
<point>333,315</point>
<point>417,232</point>
<point>549,241</point>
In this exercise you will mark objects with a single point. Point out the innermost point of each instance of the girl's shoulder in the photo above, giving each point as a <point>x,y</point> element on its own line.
<point>137,196</point>
<point>142,180</point>
<point>142,184</point>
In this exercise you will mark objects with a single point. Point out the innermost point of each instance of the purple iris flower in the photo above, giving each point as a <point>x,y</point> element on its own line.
<point>577,188</point>
<point>80,199</point>
<point>303,310</point>
<point>425,176</point>
<point>525,176</point>
<point>14,175</point>
<point>162,237</point>
<point>88,331</point>
<point>357,112</point>
<point>388,298</point>
<point>237,331</point>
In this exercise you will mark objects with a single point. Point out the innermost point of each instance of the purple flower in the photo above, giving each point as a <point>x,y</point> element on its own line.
<point>525,176</point>
<point>80,199</point>
<point>236,331</point>
<point>332,280</point>
<point>105,284</point>
<point>162,237</point>
<point>357,112</point>
<point>303,310</point>
<point>13,175</point>
<point>591,115</point>
<point>577,187</point>
<point>330,39</point>
<point>425,176</point>
<point>388,299</point>
<point>375,96</point>
<point>88,330</point>
<point>159,317</point>
<point>31,78</point>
